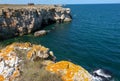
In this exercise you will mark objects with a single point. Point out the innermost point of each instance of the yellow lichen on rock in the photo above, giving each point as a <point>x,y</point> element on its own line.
<point>22,45</point>
<point>32,51</point>
<point>29,54</point>
<point>69,71</point>
<point>36,47</point>
<point>6,51</point>
<point>9,63</point>
<point>16,73</point>
<point>44,49</point>
<point>2,78</point>
<point>10,58</point>
<point>38,50</point>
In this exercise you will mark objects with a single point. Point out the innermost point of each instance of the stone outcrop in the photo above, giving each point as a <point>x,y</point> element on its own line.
<point>69,71</point>
<point>40,33</point>
<point>20,20</point>
<point>10,60</point>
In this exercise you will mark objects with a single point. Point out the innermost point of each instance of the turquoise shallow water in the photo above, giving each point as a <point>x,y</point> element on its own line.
<point>91,40</point>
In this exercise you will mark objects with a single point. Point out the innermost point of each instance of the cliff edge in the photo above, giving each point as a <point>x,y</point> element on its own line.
<point>17,20</point>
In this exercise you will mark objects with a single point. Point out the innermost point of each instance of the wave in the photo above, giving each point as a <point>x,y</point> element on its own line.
<point>102,75</point>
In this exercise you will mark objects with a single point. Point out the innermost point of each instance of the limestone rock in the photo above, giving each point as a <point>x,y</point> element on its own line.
<point>40,33</point>
<point>67,18</point>
<point>69,71</point>
<point>25,19</point>
<point>68,10</point>
<point>10,60</point>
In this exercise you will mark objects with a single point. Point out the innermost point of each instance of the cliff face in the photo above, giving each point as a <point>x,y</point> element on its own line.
<point>20,20</point>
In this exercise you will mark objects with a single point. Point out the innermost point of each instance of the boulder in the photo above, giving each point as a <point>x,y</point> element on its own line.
<point>40,33</point>
<point>69,71</point>
<point>67,18</point>
<point>68,10</point>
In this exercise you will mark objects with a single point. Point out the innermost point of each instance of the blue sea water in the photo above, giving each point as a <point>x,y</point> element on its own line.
<point>91,40</point>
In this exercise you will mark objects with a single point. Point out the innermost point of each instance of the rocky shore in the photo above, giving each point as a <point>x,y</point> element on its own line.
<point>18,20</point>
<point>32,62</point>
<point>14,57</point>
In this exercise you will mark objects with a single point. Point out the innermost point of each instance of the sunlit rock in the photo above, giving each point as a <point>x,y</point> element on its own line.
<point>2,78</point>
<point>24,19</point>
<point>10,60</point>
<point>69,71</point>
<point>40,33</point>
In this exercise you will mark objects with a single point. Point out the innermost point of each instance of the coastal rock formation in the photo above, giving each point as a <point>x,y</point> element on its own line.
<point>69,71</point>
<point>40,33</point>
<point>10,58</point>
<point>13,57</point>
<point>20,20</point>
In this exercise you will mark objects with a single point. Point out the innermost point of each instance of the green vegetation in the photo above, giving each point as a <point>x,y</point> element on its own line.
<point>35,71</point>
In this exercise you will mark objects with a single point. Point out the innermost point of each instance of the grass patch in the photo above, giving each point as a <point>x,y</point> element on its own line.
<point>35,71</point>
<point>22,54</point>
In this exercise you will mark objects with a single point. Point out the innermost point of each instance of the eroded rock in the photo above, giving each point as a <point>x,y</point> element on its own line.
<point>40,33</point>
<point>69,71</point>
<point>25,19</point>
<point>10,61</point>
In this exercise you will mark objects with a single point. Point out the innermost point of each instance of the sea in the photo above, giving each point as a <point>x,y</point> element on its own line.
<point>91,40</point>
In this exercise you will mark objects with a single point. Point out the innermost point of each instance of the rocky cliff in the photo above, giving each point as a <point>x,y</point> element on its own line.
<point>14,57</point>
<point>17,20</point>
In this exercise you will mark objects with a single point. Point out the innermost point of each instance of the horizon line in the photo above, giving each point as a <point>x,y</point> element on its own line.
<point>56,3</point>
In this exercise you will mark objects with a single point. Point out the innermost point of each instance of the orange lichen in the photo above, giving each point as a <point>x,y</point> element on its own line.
<point>16,73</point>
<point>68,70</point>
<point>7,50</point>
<point>2,78</point>
<point>10,59</point>
<point>34,49</point>
<point>29,54</point>
<point>43,48</point>
<point>22,45</point>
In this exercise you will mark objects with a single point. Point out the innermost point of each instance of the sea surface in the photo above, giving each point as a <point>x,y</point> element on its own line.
<point>91,40</point>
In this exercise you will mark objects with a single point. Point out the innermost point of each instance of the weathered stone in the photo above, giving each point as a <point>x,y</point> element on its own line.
<point>27,19</point>
<point>69,71</point>
<point>40,33</point>
<point>47,62</point>
<point>68,10</point>
<point>10,60</point>
<point>67,18</point>
<point>2,78</point>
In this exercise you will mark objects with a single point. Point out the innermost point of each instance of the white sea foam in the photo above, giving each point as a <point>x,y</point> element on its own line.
<point>101,75</point>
